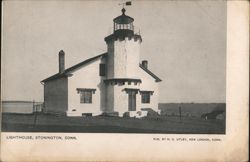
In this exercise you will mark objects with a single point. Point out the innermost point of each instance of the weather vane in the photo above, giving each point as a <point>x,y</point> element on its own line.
<point>127,3</point>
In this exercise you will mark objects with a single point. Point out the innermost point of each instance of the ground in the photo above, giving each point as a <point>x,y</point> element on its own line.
<point>104,124</point>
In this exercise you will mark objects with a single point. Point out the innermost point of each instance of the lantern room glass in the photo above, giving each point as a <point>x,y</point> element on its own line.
<point>129,26</point>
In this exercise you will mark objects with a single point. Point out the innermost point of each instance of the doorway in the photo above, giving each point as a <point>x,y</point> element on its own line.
<point>132,101</point>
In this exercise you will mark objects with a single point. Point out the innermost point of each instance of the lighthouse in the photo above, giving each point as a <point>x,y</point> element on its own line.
<point>114,82</point>
<point>123,79</point>
<point>123,48</point>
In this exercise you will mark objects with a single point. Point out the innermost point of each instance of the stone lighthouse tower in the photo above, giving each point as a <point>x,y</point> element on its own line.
<point>123,65</point>
<point>123,48</point>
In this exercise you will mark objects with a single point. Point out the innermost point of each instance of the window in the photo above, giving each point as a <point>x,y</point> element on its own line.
<point>102,70</point>
<point>85,94</point>
<point>86,97</point>
<point>145,96</point>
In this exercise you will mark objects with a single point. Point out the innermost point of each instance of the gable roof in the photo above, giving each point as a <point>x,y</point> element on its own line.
<point>75,67</point>
<point>157,79</point>
<point>72,68</point>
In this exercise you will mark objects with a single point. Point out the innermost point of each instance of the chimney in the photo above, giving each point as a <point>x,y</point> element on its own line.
<point>61,61</point>
<point>145,64</point>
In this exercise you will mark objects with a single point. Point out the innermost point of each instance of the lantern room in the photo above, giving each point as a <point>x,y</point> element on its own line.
<point>123,22</point>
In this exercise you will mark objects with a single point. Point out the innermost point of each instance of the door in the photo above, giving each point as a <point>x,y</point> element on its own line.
<point>132,101</point>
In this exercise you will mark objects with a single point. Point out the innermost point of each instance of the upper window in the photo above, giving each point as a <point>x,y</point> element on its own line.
<point>102,69</point>
<point>145,96</point>
<point>85,94</point>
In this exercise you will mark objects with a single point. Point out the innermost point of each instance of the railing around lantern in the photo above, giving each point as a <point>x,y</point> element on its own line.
<point>135,29</point>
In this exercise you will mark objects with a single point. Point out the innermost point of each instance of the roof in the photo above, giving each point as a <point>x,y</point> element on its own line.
<point>157,79</point>
<point>77,66</point>
<point>123,19</point>
<point>73,68</point>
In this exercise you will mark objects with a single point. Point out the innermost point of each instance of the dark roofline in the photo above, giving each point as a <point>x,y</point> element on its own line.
<point>157,79</point>
<point>123,17</point>
<point>72,68</point>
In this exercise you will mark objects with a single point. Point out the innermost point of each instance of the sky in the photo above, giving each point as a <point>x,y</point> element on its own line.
<point>183,41</point>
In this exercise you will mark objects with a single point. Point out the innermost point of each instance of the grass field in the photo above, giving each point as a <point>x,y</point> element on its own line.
<point>104,124</point>
<point>192,109</point>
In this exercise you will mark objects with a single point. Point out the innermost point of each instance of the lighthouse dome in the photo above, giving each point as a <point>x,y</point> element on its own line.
<point>123,19</point>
